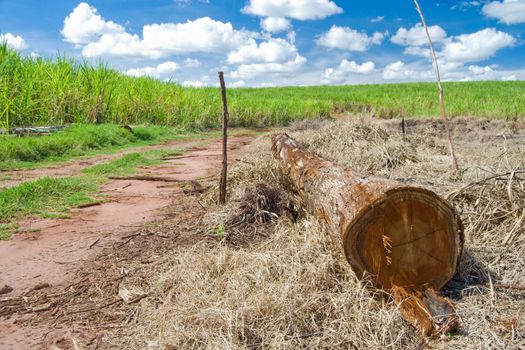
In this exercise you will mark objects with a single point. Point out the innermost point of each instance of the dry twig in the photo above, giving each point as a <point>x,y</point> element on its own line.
<point>441,97</point>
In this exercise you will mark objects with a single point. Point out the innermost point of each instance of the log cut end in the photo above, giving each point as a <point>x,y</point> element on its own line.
<point>409,238</point>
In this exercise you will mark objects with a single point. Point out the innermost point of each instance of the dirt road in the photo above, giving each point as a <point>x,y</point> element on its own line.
<point>52,250</point>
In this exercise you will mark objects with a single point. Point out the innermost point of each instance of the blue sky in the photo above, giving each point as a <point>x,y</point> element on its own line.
<point>276,42</point>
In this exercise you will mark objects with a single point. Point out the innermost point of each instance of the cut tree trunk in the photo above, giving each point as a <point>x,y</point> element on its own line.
<point>403,239</point>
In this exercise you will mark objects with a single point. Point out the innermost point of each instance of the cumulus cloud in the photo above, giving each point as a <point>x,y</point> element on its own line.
<point>194,83</point>
<point>274,56</point>
<point>349,39</point>
<point>301,10</point>
<point>192,63</point>
<point>398,71</point>
<point>271,51</point>
<point>506,11</point>
<point>478,70</point>
<point>471,47</point>
<point>450,71</point>
<point>98,37</point>
<point>511,77</point>
<point>12,41</point>
<point>342,73</point>
<point>377,19</point>
<point>477,46</point>
<point>247,71</point>
<point>85,25</point>
<point>275,24</point>
<point>416,35</point>
<point>161,70</point>
<point>237,84</point>
<point>160,40</point>
<point>465,4</point>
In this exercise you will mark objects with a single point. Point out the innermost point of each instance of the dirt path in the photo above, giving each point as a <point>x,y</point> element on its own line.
<point>14,177</point>
<point>54,253</point>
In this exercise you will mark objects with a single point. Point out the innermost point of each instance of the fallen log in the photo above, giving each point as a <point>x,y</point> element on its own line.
<point>402,239</point>
<point>36,130</point>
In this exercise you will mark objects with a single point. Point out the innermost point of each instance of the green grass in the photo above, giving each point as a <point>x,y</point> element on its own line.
<point>6,229</point>
<point>38,91</point>
<point>79,140</point>
<point>53,197</point>
<point>46,195</point>
<point>128,164</point>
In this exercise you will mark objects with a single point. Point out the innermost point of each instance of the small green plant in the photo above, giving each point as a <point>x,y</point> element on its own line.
<point>6,229</point>
<point>219,231</point>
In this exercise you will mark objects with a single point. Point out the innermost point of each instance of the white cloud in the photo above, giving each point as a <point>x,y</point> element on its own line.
<point>85,25</point>
<point>506,11</point>
<point>271,51</point>
<point>478,70</point>
<point>477,46</point>
<point>398,71</point>
<point>274,56</point>
<point>161,70</point>
<point>98,37</point>
<point>402,72</point>
<point>509,77</point>
<point>14,42</point>
<point>189,2</point>
<point>192,63</point>
<point>418,51</point>
<point>349,39</point>
<point>345,69</point>
<point>416,35</point>
<point>247,71</point>
<point>291,37</point>
<point>237,84</point>
<point>297,9</point>
<point>275,24</point>
<point>194,83</point>
<point>463,48</point>
<point>377,19</point>
<point>354,67</point>
<point>160,40</point>
<point>465,4</point>
<point>450,71</point>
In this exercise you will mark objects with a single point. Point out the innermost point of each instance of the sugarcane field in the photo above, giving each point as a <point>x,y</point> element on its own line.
<point>262,174</point>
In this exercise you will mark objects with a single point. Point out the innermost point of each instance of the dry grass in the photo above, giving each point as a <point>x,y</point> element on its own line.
<point>289,288</point>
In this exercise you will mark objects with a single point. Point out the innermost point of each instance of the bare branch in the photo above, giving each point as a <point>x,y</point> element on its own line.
<point>440,87</point>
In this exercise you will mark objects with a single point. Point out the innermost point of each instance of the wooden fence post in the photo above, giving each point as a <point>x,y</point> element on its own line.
<point>225,117</point>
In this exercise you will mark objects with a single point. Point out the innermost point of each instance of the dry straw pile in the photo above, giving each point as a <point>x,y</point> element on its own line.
<point>280,284</point>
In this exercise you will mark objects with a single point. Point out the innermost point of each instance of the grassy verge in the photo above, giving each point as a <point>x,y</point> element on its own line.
<point>45,195</point>
<point>81,140</point>
<point>78,140</point>
<point>129,163</point>
<point>53,197</point>
<point>88,141</point>
<point>38,91</point>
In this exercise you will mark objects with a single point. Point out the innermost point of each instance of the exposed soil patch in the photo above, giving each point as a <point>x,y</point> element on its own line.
<point>52,251</point>
<point>14,177</point>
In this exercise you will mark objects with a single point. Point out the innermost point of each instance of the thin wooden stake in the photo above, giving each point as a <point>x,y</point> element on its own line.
<point>441,98</point>
<point>403,127</point>
<point>225,117</point>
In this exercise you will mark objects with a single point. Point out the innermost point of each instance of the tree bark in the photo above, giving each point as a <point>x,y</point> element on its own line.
<point>403,239</point>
